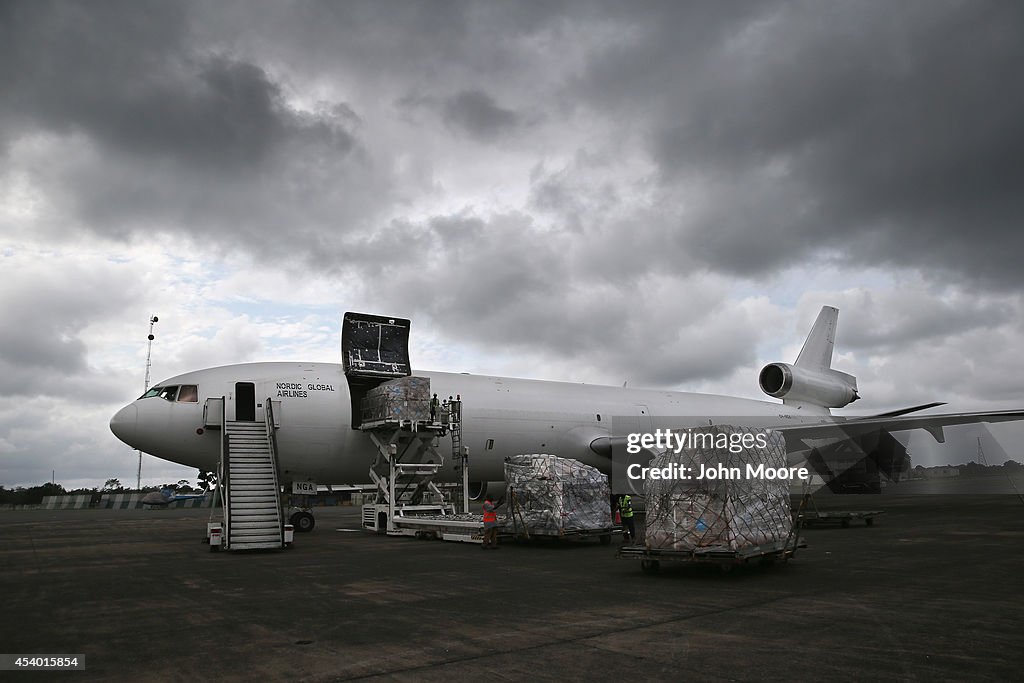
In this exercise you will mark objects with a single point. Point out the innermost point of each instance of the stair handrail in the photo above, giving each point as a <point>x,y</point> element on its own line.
<point>224,476</point>
<point>215,491</point>
<point>219,483</point>
<point>268,417</point>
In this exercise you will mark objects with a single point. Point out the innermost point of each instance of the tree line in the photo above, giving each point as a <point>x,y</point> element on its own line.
<point>33,495</point>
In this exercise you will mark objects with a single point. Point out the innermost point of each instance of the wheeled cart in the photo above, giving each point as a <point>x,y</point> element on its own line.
<point>844,517</point>
<point>604,535</point>
<point>808,514</point>
<point>651,559</point>
<point>423,521</point>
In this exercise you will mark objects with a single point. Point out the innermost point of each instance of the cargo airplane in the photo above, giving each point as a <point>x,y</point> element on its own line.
<point>317,409</point>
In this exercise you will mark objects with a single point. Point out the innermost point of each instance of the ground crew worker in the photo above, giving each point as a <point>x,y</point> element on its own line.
<point>434,403</point>
<point>626,513</point>
<point>491,523</point>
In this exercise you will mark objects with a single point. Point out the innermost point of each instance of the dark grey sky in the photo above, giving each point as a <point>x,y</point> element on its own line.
<point>663,193</point>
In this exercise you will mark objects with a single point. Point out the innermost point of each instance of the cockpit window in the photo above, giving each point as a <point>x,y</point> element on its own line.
<point>189,394</point>
<point>168,393</point>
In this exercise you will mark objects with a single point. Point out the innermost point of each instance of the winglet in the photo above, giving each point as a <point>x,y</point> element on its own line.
<point>816,353</point>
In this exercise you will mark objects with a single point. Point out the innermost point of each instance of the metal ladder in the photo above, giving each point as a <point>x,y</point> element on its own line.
<point>460,459</point>
<point>455,427</point>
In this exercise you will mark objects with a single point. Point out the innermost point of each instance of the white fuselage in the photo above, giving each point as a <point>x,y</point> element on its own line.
<point>501,417</point>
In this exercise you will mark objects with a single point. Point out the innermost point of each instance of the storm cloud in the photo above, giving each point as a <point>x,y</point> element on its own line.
<point>661,193</point>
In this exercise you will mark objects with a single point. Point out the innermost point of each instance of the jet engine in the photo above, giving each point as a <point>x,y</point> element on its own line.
<point>820,387</point>
<point>479,489</point>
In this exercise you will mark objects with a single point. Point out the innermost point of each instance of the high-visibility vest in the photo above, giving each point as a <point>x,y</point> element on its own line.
<point>489,514</point>
<point>625,507</point>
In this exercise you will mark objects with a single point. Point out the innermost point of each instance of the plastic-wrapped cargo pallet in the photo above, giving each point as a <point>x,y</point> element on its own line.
<point>727,514</point>
<point>404,398</point>
<point>555,495</point>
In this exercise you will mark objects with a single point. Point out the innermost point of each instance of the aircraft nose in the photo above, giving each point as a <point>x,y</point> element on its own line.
<point>124,423</point>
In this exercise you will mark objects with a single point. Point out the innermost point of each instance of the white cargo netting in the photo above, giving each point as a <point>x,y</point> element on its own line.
<point>727,514</point>
<point>401,399</point>
<point>555,495</point>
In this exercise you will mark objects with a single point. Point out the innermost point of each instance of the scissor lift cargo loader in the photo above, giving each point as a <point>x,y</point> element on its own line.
<point>375,353</point>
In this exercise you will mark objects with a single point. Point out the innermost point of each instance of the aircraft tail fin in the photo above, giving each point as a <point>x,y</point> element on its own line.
<point>816,353</point>
<point>811,384</point>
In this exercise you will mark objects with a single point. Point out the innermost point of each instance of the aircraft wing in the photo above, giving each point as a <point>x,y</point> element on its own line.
<point>800,436</point>
<point>859,426</point>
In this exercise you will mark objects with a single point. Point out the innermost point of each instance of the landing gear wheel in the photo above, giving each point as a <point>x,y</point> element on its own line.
<point>303,521</point>
<point>606,539</point>
<point>870,521</point>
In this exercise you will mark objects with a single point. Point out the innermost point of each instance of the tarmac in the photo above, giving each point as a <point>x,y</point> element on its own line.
<point>932,591</point>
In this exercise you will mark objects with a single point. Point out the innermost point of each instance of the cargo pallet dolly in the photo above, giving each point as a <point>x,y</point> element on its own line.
<point>765,554</point>
<point>521,531</point>
<point>651,559</point>
<point>808,514</point>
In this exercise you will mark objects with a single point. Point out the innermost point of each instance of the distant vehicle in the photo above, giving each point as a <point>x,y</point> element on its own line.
<point>166,496</point>
<point>318,410</point>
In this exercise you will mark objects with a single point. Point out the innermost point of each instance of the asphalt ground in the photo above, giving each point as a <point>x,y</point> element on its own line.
<point>931,592</point>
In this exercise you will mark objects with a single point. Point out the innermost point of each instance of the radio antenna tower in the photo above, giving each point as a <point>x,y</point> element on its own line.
<point>153,320</point>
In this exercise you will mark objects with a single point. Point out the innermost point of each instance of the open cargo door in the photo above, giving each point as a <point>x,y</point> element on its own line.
<point>374,348</point>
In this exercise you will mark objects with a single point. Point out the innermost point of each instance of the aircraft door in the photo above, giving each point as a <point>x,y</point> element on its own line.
<point>245,402</point>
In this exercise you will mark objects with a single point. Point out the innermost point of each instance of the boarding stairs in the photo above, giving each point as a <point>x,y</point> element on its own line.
<point>252,505</point>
